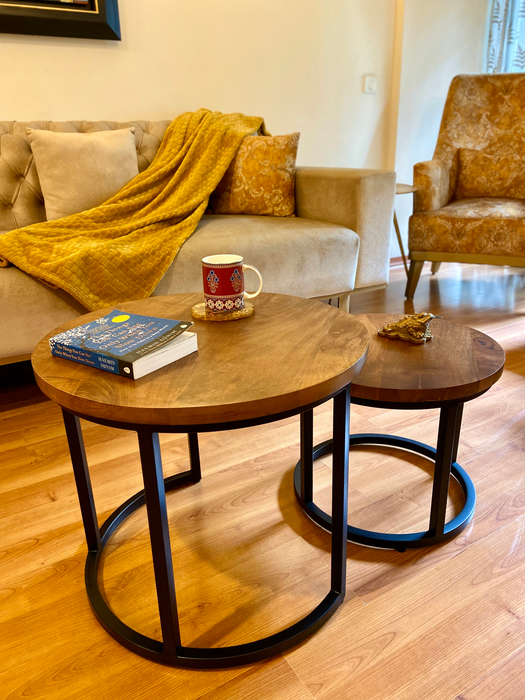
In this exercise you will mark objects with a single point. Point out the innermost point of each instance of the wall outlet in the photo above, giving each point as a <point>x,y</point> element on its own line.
<point>370,84</point>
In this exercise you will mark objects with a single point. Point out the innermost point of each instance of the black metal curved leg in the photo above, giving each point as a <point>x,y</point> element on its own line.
<point>195,459</point>
<point>444,458</point>
<point>155,494</point>
<point>307,464</point>
<point>82,480</point>
<point>446,453</point>
<point>341,431</point>
<point>171,651</point>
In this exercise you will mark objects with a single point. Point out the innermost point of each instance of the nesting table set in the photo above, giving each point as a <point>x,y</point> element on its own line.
<point>292,355</point>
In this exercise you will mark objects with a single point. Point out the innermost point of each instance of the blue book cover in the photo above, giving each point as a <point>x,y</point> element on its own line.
<point>115,341</point>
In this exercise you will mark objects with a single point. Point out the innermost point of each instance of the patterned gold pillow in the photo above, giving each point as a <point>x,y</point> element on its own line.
<point>260,179</point>
<point>483,175</point>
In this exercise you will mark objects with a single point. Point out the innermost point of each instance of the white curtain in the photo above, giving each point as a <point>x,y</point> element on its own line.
<point>506,43</point>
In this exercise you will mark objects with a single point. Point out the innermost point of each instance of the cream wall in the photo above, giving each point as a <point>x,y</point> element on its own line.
<point>440,39</point>
<point>298,63</point>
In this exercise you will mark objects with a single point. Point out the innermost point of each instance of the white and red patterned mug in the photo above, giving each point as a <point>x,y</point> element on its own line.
<point>223,281</point>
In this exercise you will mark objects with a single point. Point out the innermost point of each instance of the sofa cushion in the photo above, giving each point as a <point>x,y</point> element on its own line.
<point>292,255</point>
<point>80,171</point>
<point>485,226</point>
<point>30,309</point>
<point>484,175</point>
<point>260,179</point>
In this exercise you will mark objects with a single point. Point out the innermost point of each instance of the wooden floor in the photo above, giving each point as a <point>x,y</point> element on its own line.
<point>438,624</point>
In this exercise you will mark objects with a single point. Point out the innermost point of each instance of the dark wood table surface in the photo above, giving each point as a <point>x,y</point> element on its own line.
<point>290,353</point>
<point>458,364</point>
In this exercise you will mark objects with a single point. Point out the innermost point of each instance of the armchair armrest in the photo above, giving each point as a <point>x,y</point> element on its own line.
<point>361,200</point>
<point>435,183</point>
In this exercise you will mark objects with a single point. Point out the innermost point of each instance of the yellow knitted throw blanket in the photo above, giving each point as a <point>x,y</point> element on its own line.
<point>120,250</point>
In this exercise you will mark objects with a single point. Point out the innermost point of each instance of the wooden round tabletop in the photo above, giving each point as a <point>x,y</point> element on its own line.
<point>457,365</point>
<point>291,353</point>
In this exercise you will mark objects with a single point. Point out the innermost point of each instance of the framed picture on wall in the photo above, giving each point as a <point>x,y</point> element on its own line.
<point>87,19</point>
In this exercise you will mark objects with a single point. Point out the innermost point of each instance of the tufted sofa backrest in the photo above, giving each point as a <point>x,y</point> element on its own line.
<point>21,201</point>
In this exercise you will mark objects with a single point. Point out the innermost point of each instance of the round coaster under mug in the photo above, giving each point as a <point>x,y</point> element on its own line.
<point>200,312</point>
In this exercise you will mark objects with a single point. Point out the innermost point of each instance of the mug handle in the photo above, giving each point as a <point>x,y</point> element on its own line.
<point>250,295</point>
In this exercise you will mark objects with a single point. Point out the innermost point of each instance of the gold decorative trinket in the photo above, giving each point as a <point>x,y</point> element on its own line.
<point>412,328</point>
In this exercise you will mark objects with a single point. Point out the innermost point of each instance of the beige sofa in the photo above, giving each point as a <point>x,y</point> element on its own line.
<point>337,244</point>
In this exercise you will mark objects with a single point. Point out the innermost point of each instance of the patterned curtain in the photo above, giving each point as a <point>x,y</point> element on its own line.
<point>506,48</point>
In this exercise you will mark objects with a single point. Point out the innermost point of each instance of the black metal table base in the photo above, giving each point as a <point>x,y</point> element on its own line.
<point>444,458</point>
<point>170,650</point>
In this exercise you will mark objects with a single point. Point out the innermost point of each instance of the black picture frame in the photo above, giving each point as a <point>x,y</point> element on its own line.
<point>97,20</point>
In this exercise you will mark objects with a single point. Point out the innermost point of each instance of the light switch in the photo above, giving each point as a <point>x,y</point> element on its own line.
<point>370,84</point>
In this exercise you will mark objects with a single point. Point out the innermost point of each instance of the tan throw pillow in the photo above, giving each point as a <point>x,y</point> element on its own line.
<point>81,171</point>
<point>260,179</point>
<point>483,175</point>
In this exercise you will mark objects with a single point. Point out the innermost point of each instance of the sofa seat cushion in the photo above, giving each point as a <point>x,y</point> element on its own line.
<point>483,174</point>
<point>484,226</point>
<point>30,309</point>
<point>294,256</point>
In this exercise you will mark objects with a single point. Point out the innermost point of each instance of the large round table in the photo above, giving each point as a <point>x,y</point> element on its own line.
<point>457,366</point>
<point>290,356</point>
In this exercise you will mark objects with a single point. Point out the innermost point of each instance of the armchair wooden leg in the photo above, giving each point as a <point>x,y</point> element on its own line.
<point>413,277</point>
<point>435,267</point>
<point>344,302</point>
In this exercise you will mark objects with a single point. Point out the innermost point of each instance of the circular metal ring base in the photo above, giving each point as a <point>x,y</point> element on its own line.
<point>384,540</point>
<point>193,657</point>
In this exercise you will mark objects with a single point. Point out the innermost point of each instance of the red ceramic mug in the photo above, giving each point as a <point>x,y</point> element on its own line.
<point>223,280</point>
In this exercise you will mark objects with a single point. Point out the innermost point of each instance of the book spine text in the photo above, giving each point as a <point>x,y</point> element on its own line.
<point>87,357</point>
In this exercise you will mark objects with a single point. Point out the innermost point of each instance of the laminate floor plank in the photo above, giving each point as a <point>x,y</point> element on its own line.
<point>451,622</point>
<point>281,682</point>
<point>505,681</point>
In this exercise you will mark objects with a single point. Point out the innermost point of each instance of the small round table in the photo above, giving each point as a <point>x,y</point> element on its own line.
<point>290,356</point>
<point>458,365</point>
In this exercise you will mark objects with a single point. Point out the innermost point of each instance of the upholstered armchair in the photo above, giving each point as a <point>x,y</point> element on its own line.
<point>470,200</point>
